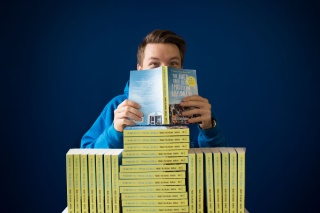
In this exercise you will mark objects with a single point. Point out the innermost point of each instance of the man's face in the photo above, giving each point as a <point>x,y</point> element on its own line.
<point>158,54</point>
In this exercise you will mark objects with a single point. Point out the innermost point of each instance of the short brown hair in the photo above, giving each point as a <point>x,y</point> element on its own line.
<point>161,36</point>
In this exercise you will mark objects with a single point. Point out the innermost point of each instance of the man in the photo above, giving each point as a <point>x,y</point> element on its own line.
<point>159,48</point>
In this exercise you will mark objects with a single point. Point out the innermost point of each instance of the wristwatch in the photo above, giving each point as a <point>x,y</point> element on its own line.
<point>214,123</point>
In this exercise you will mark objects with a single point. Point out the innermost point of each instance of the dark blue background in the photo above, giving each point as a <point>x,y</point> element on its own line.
<point>257,62</point>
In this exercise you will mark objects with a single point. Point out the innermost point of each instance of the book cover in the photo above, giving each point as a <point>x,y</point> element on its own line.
<point>164,130</point>
<point>192,181</point>
<point>152,189</point>
<point>152,168</point>
<point>156,139</point>
<point>155,153</point>
<point>233,163</point>
<point>156,202</point>
<point>209,187</point>
<point>159,92</point>
<point>241,152</point>
<point>155,160</point>
<point>225,177</point>
<point>151,196</point>
<point>200,180</point>
<point>107,181</point>
<point>84,180</point>
<point>217,179</point>
<point>70,184</point>
<point>115,163</point>
<point>151,175</point>
<point>156,209</point>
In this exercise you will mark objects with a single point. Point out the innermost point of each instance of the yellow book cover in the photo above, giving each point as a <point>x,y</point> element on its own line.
<point>176,202</point>
<point>150,175</point>
<point>84,180</point>
<point>107,181</point>
<point>233,178</point>
<point>153,189</point>
<point>155,160</point>
<point>241,152</point>
<point>152,168</point>
<point>209,187</point>
<point>156,139</point>
<point>225,178</point>
<point>200,179</point>
<point>153,182</point>
<point>100,180</point>
<point>130,131</point>
<point>156,209</point>
<point>192,187</point>
<point>155,153</point>
<point>151,196</point>
<point>115,162</point>
<point>217,179</point>
<point>130,147</point>
<point>70,184</point>
<point>77,179</point>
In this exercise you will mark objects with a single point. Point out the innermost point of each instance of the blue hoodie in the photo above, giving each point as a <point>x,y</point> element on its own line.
<point>102,133</point>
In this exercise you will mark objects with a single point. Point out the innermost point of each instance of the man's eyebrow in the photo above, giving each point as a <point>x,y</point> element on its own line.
<point>176,57</point>
<point>153,58</point>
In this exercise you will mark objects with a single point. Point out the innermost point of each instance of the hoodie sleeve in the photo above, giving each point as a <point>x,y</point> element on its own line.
<point>102,133</point>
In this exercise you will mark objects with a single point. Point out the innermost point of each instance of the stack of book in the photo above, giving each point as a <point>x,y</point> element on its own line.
<point>153,172</point>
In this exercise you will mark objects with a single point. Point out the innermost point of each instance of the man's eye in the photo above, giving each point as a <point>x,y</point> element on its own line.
<point>154,64</point>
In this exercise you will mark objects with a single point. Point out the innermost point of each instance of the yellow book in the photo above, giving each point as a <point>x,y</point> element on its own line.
<point>155,153</point>
<point>150,175</point>
<point>192,187</point>
<point>155,160</point>
<point>225,177</point>
<point>233,178</point>
<point>84,180</point>
<point>157,209</point>
<point>70,184</point>
<point>152,189</point>
<point>100,180</point>
<point>176,202</point>
<point>77,179</point>
<point>241,152</point>
<point>151,196</point>
<point>217,179</point>
<point>107,181</point>
<point>200,180</point>
<point>130,147</point>
<point>209,187</point>
<point>152,182</point>
<point>115,162</point>
<point>152,168</point>
<point>156,139</point>
<point>130,131</point>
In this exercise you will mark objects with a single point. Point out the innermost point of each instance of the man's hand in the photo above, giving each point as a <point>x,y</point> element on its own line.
<point>203,109</point>
<point>125,113</point>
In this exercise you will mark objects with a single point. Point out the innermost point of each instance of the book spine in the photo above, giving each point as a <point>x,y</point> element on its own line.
<point>241,181</point>
<point>140,209</point>
<point>152,189</point>
<point>217,181</point>
<point>233,182</point>
<point>151,175</point>
<point>209,182</point>
<point>107,181</point>
<point>225,182</point>
<point>164,160</point>
<point>156,146</point>
<point>100,183</point>
<point>148,182</point>
<point>150,196</point>
<point>164,139</point>
<point>156,132</point>
<point>116,160</point>
<point>166,115</point>
<point>192,181</point>
<point>84,183</point>
<point>77,182</point>
<point>70,185</point>
<point>200,181</point>
<point>151,153</point>
<point>152,168</point>
<point>178,202</point>
<point>92,183</point>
